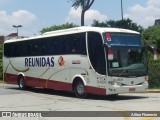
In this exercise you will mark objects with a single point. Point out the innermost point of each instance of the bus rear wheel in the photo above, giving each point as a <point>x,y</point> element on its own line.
<point>21,83</point>
<point>79,89</point>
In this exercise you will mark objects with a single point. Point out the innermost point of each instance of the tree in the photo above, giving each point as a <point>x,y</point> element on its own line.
<point>58,27</point>
<point>125,23</point>
<point>1,64</point>
<point>151,36</point>
<point>84,4</point>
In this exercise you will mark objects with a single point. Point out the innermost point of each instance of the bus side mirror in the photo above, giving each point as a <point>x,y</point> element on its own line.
<point>153,50</point>
<point>155,54</point>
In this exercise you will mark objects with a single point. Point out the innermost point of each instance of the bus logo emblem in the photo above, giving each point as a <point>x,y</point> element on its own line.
<point>61,61</point>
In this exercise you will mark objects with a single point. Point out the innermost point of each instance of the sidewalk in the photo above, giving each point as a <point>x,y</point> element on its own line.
<point>1,82</point>
<point>153,90</point>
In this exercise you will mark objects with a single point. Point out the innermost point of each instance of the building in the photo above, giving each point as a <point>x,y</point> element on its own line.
<point>1,39</point>
<point>157,22</point>
<point>8,37</point>
<point>11,36</point>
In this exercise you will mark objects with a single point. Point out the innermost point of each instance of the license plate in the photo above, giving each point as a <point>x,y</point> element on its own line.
<point>132,89</point>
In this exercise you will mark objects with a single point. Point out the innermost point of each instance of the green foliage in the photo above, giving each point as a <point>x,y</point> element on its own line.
<point>151,36</point>
<point>126,23</point>
<point>153,71</point>
<point>84,4</point>
<point>78,3</point>
<point>1,64</point>
<point>58,27</point>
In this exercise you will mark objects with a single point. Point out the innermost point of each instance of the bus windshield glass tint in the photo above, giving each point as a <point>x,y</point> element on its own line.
<point>122,39</point>
<point>128,53</point>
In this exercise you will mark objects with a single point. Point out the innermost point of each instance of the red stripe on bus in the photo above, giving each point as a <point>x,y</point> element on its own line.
<point>51,84</point>
<point>10,78</point>
<point>95,90</point>
<point>59,85</point>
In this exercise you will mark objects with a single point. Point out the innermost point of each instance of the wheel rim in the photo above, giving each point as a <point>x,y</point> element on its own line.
<point>80,89</point>
<point>21,83</point>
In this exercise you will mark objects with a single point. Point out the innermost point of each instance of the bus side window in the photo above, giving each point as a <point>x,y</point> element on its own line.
<point>43,49</point>
<point>75,46</point>
<point>79,44</point>
<point>58,45</point>
<point>30,48</point>
<point>50,45</point>
<point>44,46</point>
<point>67,44</point>
<point>7,50</point>
<point>13,51</point>
<point>83,44</point>
<point>37,47</point>
<point>96,52</point>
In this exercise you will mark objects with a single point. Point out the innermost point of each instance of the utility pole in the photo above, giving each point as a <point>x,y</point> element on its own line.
<point>17,26</point>
<point>122,9</point>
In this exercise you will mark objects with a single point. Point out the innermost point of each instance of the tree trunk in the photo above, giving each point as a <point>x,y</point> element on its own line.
<point>82,18</point>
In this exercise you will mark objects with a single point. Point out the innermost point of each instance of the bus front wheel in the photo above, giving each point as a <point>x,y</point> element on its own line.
<point>79,89</point>
<point>21,83</point>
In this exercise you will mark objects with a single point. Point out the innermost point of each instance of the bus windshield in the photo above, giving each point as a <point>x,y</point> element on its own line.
<point>129,58</point>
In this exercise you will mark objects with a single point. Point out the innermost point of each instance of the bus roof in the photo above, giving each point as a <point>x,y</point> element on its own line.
<point>76,30</point>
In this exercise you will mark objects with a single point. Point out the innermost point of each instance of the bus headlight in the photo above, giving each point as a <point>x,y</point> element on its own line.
<point>111,82</point>
<point>114,83</point>
<point>146,80</point>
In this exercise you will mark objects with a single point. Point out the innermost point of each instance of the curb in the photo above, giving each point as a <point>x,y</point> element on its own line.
<point>1,81</point>
<point>153,91</point>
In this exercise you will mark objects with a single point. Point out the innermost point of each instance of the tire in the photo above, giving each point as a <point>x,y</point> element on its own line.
<point>21,83</point>
<point>79,90</point>
<point>113,95</point>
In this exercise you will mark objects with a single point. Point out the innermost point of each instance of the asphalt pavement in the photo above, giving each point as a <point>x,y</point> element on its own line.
<point>149,90</point>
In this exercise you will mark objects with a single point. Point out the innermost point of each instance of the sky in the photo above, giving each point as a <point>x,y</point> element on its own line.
<point>34,15</point>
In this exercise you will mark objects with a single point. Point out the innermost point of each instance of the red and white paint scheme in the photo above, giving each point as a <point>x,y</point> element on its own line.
<point>104,61</point>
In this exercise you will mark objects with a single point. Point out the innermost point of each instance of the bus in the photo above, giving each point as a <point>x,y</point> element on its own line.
<point>103,61</point>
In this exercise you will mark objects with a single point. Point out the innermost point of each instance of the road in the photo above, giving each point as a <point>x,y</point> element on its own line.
<point>13,99</point>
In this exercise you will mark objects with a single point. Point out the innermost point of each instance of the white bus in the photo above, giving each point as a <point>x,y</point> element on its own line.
<point>104,61</point>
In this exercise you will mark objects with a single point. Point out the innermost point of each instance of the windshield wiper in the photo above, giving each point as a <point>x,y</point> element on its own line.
<point>124,71</point>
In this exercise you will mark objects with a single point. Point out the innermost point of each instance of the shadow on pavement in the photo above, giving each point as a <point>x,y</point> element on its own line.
<point>71,95</point>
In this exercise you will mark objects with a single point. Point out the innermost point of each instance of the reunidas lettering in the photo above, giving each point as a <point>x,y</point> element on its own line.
<point>39,62</point>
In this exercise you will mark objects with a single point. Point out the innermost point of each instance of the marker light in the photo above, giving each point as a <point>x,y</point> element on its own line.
<point>155,54</point>
<point>110,55</point>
